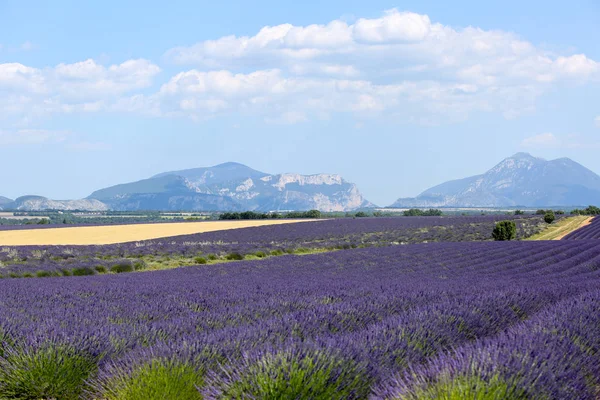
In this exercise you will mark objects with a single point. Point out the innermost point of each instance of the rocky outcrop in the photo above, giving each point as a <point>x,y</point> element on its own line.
<point>39,203</point>
<point>233,186</point>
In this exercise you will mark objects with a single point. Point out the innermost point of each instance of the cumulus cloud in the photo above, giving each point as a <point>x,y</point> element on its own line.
<point>66,88</point>
<point>401,64</point>
<point>389,47</point>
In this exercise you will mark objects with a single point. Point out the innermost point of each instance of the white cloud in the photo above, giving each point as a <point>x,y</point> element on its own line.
<point>393,27</point>
<point>388,47</point>
<point>288,118</point>
<point>401,63</point>
<point>32,136</point>
<point>79,87</point>
<point>541,140</point>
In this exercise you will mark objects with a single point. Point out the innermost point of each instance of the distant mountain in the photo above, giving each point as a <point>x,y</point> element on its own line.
<point>4,201</point>
<point>232,187</point>
<point>35,203</point>
<point>520,180</point>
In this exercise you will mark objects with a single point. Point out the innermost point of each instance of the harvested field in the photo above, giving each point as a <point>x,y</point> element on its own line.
<point>89,235</point>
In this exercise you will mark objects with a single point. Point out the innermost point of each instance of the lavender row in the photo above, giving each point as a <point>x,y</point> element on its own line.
<point>261,241</point>
<point>555,355</point>
<point>382,311</point>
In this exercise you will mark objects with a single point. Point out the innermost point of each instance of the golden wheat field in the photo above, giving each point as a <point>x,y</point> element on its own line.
<point>88,235</point>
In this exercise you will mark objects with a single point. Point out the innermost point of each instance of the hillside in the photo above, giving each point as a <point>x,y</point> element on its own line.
<point>31,203</point>
<point>4,201</point>
<point>520,180</point>
<point>233,186</point>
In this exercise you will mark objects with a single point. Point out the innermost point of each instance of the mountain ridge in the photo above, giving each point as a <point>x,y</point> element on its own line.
<point>519,180</point>
<point>231,187</point>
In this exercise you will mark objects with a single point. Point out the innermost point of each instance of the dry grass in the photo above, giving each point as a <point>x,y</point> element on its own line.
<point>87,235</point>
<point>562,228</point>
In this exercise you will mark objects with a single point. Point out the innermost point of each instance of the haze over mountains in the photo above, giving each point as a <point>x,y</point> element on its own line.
<point>520,180</point>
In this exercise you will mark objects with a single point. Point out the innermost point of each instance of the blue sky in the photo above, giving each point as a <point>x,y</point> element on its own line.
<point>394,96</point>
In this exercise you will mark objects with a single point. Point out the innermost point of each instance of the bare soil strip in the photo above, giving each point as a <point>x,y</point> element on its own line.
<point>586,222</point>
<point>563,228</point>
<point>110,234</point>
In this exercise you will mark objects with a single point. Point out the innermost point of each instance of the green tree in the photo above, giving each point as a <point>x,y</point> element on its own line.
<point>519,212</point>
<point>313,214</point>
<point>413,212</point>
<point>549,217</point>
<point>505,230</point>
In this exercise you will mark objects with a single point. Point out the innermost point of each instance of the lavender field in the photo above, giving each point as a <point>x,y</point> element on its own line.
<point>487,320</point>
<point>591,231</point>
<point>259,242</point>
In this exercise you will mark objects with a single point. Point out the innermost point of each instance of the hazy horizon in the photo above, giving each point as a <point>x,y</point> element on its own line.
<point>394,97</point>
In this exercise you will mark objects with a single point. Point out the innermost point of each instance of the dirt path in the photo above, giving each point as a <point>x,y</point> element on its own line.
<point>586,222</point>
<point>562,228</point>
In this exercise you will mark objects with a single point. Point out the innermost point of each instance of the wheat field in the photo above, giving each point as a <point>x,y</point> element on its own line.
<point>90,235</point>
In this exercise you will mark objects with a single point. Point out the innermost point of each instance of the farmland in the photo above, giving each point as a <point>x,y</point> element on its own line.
<point>389,308</point>
<point>256,242</point>
<point>90,235</point>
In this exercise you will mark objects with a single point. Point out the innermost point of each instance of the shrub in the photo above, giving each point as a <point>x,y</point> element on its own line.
<point>139,265</point>
<point>200,260</point>
<point>50,372</point>
<point>101,269</point>
<point>83,271</point>
<point>277,252</point>
<point>65,272</point>
<point>549,217</point>
<point>234,256</point>
<point>304,214</point>
<point>43,274</point>
<point>468,387</point>
<point>292,374</point>
<point>212,257</point>
<point>505,230</point>
<point>157,379</point>
<point>415,212</point>
<point>27,275</point>
<point>260,254</point>
<point>121,267</point>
